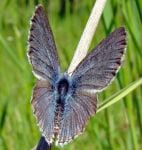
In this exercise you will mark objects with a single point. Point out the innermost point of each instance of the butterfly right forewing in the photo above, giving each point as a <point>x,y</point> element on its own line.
<point>98,69</point>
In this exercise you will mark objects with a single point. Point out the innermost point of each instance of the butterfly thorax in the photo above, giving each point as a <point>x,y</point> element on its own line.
<point>62,88</point>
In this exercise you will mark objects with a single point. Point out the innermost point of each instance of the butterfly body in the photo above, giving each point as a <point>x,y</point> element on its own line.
<point>63,103</point>
<point>63,89</point>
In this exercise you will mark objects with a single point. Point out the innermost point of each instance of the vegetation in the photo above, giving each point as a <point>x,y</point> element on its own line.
<point>117,126</point>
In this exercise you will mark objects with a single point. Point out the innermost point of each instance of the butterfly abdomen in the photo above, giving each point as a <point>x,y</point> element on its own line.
<point>57,119</point>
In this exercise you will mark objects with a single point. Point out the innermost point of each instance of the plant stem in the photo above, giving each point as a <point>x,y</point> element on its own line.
<point>87,34</point>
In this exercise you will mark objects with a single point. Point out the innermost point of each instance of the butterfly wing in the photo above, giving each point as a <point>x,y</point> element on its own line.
<point>44,105</point>
<point>42,50</point>
<point>79,107</point>
<point>95,72</point>
<point>98,69</point>
<point>43,58</point>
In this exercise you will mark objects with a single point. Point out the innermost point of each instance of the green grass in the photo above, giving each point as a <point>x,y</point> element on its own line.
<point>115,127</point>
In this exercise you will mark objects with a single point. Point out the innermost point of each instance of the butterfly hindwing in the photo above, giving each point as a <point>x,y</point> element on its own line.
<point>98,69</point>
<point>79,108</point>
<point>44,105</point>
<point>42,50</point>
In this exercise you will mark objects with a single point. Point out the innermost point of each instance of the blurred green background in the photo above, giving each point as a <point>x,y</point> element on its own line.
<point>117,127</point>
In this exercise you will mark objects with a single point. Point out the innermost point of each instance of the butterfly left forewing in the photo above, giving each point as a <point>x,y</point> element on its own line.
<point>42,51</point>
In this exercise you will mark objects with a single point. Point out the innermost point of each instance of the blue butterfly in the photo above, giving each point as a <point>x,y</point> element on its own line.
<point>63,103</point>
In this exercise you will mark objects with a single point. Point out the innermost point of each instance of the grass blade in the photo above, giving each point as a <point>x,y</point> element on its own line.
<point>10,53</point>
<point>119,95</point>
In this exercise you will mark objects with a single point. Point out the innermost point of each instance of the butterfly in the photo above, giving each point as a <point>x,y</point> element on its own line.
<point>63,103</point>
